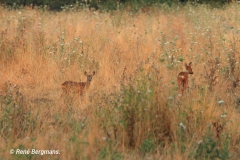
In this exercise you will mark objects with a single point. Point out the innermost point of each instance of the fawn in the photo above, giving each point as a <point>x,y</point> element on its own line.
<point>77,87</point>
<point>183,77</point>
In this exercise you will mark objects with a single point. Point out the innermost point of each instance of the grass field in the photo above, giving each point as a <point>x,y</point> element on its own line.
<point>132,109</point>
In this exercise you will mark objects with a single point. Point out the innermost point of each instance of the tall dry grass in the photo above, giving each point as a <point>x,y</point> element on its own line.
<point>132,109</point>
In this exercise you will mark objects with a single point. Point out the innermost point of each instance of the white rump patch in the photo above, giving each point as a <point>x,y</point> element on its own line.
<point>182,77</point>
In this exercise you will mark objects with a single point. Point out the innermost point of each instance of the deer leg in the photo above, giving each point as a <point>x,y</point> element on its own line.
<point>179,83</point>
<point>185,86</point>
<point>181,86</point>
<point>64,93</point>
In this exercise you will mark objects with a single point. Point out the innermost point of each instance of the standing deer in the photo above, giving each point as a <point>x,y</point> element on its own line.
<point>77,87</point>
<point>183,77</point>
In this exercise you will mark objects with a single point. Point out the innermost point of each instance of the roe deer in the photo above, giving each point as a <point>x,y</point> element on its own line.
<point>183,77</point>
<point>77,87</point>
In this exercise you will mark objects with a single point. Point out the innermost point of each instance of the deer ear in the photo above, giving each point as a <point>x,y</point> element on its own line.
<point>186,64</point>
<point>190,63</point>
<point>93,73</point>
<point>85,73</point>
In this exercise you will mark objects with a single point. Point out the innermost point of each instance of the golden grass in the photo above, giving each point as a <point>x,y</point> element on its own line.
<point>40,50</point>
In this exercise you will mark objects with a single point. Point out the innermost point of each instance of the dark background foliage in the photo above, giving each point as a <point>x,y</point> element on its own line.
<point>106,4</point>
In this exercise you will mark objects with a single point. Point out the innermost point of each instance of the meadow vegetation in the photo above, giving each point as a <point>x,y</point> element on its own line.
<point>132,109</point>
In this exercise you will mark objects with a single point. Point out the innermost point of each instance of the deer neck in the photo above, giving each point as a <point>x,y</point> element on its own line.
<point>186,73</point>
<point>88,83</point>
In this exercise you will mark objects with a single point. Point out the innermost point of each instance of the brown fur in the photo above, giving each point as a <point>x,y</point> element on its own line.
<point>183,77</point>
<point>77,87</point>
